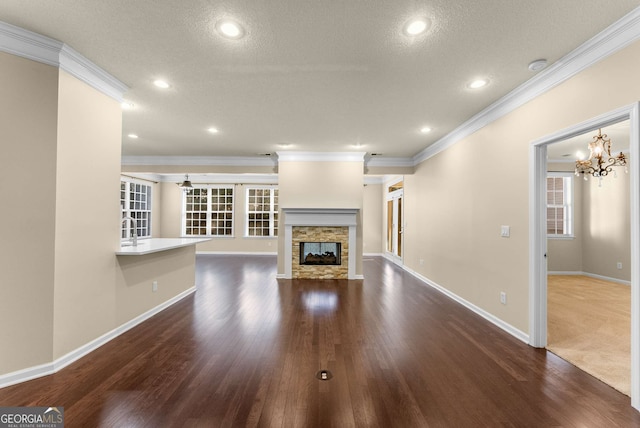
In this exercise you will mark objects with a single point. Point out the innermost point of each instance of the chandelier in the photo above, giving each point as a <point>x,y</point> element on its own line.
<point>600,162</point>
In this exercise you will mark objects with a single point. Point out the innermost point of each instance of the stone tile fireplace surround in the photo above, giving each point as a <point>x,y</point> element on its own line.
<point>320,225</point>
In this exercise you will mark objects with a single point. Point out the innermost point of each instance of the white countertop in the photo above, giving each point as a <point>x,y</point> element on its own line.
<point>154,245</point>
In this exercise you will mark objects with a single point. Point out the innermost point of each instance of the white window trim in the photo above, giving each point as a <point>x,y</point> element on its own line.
<point>183,209</point>
<point>570,218</point>
<point>271,210</point>
<point>133,180</point>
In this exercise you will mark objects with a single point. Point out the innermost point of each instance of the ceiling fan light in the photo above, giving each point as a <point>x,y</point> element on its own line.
<point>186,184</point>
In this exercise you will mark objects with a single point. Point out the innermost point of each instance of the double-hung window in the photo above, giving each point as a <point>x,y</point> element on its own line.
<point>560,205</point>
<point>262,211</point>
<point>208,211</point>
<point>135,200</point>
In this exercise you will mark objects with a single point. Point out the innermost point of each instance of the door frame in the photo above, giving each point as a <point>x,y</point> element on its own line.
<point>538,236</point>
<point>398,197</point>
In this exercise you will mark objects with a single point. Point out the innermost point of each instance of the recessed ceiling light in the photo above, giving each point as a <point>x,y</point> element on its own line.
<point>126,105</point>
<point>425,130</point>
<point>478,83</point>
<point>538,65</point>
<point>161,84</point>
<point>132,136</point>
<point>230,29</point>
<point>213,130</point>
<point>416,26</point>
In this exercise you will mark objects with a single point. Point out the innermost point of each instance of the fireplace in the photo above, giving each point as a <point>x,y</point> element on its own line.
<point>320,226</point>
<point>320,253</point>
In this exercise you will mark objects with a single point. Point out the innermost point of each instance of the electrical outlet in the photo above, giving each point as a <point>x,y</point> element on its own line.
<point>503,297</point>
<point>421,262</point>
<point>154,286</point>
<point>619,265</point>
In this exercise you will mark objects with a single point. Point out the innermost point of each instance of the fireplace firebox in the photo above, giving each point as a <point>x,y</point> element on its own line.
<point>320,253</point>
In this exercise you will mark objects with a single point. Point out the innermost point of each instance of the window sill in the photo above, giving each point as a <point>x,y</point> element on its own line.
<point>209,236</point>
<point>561,237</point>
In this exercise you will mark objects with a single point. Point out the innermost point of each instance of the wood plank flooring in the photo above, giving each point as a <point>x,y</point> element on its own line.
<point>244,350</point>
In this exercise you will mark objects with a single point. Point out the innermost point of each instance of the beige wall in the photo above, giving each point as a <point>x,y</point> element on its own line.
<point>173,271</point>
<point>372,220</point>
<point>167,217</point>
<point>455,208</point>
<point>61,284</point>
<point>607,227</point>
<point>27,217</point>
<point>87,213</point>
<point>602,229</point>
<point>170,214</point>
<point>321,185</point>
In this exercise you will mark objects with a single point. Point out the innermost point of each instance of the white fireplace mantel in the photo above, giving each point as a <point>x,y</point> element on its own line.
<point>320,217</point>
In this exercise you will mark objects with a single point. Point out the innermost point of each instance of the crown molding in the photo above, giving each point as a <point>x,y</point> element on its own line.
<point>320,156</point>
<point>614,38</point>
<point>80,67</point>
<point>200,160</point>
<point>206,178</point>
<point>265,160</point>
<point>27,44</point>
<point>150,177</point>
<point>389,162</point>
<point>222,178</point>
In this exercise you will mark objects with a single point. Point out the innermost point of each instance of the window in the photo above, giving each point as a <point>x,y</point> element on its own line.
<point>208,211</point>
<point>262,211</point>
<point>135,200</point>
<point>560,205</point>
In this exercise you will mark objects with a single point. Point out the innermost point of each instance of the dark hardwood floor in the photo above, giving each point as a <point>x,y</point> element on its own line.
<point>245,350</point>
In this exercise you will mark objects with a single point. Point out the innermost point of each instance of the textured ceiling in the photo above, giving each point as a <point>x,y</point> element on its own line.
<point>310,75</point>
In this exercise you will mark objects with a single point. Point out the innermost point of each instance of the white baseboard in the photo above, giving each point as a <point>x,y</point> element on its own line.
<point>73,356</point>
<point>564,272</point>
<point>518,334</point>
<point>591,275</point>
<point>236,253</point>
<point>372,255</point>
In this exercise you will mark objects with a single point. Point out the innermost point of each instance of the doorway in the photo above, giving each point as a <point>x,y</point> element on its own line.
<point>588,282</point>
<point>395,223</point>
<point>538,231</point>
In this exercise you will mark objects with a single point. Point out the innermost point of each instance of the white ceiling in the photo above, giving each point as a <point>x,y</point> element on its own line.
<point>310,75</point>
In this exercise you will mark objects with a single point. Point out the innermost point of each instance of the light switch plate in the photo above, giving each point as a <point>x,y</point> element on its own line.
<point>505,231</point>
